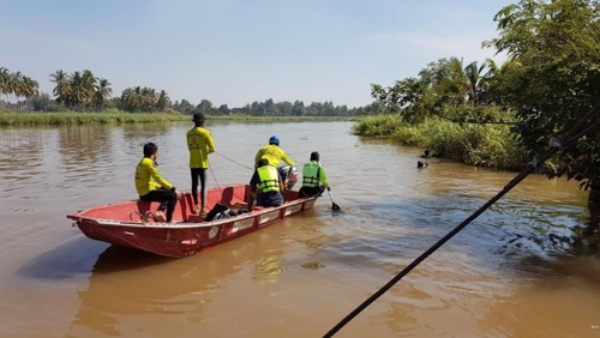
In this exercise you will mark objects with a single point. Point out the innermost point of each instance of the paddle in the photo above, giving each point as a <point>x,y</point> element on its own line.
<point>334,206</point>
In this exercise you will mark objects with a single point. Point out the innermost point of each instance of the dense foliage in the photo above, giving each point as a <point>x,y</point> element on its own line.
<point>490,146</point>
<point>550,80</point>
<point>17,85</point>
<point>558,46</point>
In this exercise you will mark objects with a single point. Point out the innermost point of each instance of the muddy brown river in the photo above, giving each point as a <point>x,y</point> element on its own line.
<point>519,270</point>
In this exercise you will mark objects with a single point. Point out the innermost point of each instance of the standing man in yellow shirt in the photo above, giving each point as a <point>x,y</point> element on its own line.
<point>200,144</point>
<point>151,186</point>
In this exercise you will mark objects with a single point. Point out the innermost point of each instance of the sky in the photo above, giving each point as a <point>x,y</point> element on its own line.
<point>236,52</point>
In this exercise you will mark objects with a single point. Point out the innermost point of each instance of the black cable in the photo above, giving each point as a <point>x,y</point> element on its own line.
<point>567,140</point>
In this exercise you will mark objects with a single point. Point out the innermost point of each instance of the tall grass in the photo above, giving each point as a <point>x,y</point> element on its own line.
<point>11,118</point>
<point>493,146</point>
<point>78,118</point>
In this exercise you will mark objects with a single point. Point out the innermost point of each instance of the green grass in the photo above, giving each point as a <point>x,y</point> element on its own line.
<point>11,118</point>
<point>252,118</point>
<point>492,146</point>
<point>78,118</point>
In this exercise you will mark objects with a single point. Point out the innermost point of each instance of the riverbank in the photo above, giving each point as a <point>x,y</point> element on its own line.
<point>492,146</point>
<point>11,118</point>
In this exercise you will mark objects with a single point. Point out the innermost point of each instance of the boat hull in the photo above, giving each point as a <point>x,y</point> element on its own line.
<point>122,224</point>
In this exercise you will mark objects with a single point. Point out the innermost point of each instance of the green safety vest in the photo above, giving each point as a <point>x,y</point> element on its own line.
<point>310,174</point>
<point>269,179</point>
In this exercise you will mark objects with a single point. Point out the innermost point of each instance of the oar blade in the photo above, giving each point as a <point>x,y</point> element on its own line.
<point>334,206</point>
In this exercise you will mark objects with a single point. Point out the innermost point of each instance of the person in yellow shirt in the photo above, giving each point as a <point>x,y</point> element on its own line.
<point>273,153</point>
<point>200,143</point>
<point>314,179</point>
<point>151,186</point>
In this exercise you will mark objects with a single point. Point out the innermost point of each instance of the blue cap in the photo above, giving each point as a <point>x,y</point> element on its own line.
<point>274,140</point>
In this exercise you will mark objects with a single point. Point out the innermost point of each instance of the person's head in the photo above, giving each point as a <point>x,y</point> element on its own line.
<point>198,119</point>
<point>150,149</point>
<point>314,156</point>
<point>274,140</point>
<point>262,162</point>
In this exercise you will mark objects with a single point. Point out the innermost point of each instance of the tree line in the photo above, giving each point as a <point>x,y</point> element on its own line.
<point>17,85</point>
<point>83,91</point>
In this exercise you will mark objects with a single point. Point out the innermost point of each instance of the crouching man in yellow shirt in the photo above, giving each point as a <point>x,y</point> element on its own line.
<point>151,186</point>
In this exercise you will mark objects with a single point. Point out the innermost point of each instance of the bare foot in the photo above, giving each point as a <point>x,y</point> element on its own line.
<point>160,216</point>
<point>204,212</point>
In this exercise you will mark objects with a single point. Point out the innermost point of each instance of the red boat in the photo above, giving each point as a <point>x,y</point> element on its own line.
<point>131,224</point>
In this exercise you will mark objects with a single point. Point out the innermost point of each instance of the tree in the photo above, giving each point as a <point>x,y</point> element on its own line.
<point>63,87</point>
<point>29,89</point>
<point>5,87</point>
<point>102,93</point>
<point>205,107</point>
<point>473,73</point>
<point>163,102</point>
<point>185,107</point>
<point>500,79</point>
<point>298,108</point>
<point>558,45</point>
<point>79,93</point>
<point>223,109</point>
<point>42,102</point>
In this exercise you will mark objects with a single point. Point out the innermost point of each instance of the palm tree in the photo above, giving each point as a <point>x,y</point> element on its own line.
<point>129,99</point>
<point>497,77</point>
<point>30,89</point>
<point>88,83</point>
<point>5,87</point>
<point>474,80</point>
<point>102,93</point>
<point>17,85</point>
<point>79,93</point>
<point>163,101</point>
<point>63,86</point>
<point>148,98</point>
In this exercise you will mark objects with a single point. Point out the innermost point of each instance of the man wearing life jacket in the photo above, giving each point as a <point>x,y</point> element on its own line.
<point>151,186</point>
<point>273,153</point>
<point>266,186</point>
<point>314,179</point>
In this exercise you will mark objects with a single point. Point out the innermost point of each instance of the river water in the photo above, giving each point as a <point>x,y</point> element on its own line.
<point>516,271</point>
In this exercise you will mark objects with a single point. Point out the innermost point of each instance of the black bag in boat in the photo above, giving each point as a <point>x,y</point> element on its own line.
<point>217,209</point>
<point>220,211</point>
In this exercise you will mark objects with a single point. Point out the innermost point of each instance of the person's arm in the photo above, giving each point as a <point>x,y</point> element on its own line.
<point>323,178</point>
<point>187,140</point>
<point>286,159</point>
<point>282,184</point>
<point>251,196</point>
<point>155,174</point>
<point>257,157</point>
<point>210,144</point>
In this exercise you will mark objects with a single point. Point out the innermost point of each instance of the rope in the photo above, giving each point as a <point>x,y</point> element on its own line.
<point>234,161</point>
<point>213,175</point>
<point>553,148</point>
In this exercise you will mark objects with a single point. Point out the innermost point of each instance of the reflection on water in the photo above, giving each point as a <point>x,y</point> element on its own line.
<point>126,284</point>
<point>501,276</point>
<point>20,157</point>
